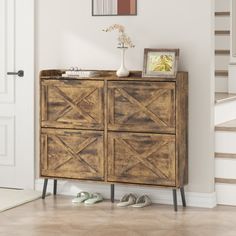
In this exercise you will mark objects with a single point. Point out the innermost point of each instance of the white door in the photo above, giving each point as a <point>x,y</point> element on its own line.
<point>17,94</point>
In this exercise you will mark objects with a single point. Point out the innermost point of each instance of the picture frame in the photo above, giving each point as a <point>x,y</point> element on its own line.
<point>160,62</point>
<point>114,7</point>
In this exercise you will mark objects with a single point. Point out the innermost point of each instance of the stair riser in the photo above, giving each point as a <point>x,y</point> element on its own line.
<point>222,5</point>
<point>225,142</point>
<point>225,168</point>
<point>222,62</point>
<point>231,78</point>
<point>226,194</point>
<point>222,42</point>
<point>221,84</point>
<point>225,112</point>
<point>222,23</point>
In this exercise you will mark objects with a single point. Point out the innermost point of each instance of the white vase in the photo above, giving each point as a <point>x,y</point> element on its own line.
<point>122,72</point>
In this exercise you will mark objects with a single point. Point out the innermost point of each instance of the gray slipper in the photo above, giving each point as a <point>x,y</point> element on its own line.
<point>94,198</point>
<point>127,200</point>
<point>142,201</point>
<point>81,197</point>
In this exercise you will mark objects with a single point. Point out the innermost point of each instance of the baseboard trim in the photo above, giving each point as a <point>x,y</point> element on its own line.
<point>158,195</point>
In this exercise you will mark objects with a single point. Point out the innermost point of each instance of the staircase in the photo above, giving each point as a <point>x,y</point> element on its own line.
<point>225,110</point>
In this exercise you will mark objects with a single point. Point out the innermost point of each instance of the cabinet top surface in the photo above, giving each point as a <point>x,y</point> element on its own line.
<point>107,75</point>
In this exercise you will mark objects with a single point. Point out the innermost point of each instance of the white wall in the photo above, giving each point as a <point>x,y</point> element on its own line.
<point>69,36</point>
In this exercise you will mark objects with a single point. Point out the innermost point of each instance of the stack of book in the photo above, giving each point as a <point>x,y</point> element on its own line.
<point>80,73</point>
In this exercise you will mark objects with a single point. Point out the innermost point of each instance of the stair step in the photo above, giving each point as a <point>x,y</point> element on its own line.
<point>222,42</point>
<point>221,73</point>
<point>225,155</point>
<point>225,181</point>
<point>222,52</point>
<point>225,168</point>
<point>222,13</point>
<point>221,84</point>
<point>222,32</point>
<point>224,97</point>
<point>229,126</point>
<point>222,5</point>
<point>222,63</point>
<point>225,108</point>
<point>226,194</point>
<point>225,143</point>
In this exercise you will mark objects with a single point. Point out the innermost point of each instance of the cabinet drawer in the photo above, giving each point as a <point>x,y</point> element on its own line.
<point>72,104</point>
<point>141,158</point>
<point>72,154</point>
<point>141,106</point>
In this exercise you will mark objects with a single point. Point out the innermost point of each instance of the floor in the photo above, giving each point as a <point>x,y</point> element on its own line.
<point>57,216</point>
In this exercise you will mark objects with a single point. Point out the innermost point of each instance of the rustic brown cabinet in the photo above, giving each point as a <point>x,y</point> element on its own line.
<point>115,130</point>
<point>141,158</point>
<point>141,106</point>
<point>72,154</point>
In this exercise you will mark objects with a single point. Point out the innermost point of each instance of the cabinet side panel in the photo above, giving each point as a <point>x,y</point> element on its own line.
<point>182,129</point>
<point>105,102</point>
<point>43,103</point>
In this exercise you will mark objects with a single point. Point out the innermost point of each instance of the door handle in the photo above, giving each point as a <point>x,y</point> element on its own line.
<point>20,73</point>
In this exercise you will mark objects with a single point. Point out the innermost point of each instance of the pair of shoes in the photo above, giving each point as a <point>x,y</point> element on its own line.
<point>87,198</point>
<point>134,201</point>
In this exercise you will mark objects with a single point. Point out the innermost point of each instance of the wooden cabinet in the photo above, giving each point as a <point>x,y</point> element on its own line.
<point>72,154</point>
<point>129,131</point>
<point>72,104</point>
<point>141,106</point>
<point>141,158</point>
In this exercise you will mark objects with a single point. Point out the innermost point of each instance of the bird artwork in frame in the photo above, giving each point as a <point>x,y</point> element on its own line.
<point>114,7</point>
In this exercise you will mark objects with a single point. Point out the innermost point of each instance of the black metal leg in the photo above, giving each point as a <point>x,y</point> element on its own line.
<point>183,196</point>
<point>55,187</point>
<point>175,199</point>
<point>45,188</point>
<point>112,193</point>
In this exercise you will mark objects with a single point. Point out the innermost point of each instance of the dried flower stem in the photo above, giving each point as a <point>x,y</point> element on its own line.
<point>123,39</point>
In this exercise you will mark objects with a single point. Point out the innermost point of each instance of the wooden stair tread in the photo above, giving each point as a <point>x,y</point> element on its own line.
<point>225,181</point>
<point>224,97</point>
<point>225,155</point>
<point>227,126</point>
<point>222,13</point>
<point>222,32</point>
<point>222,52</point>
<point>221,73</point>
